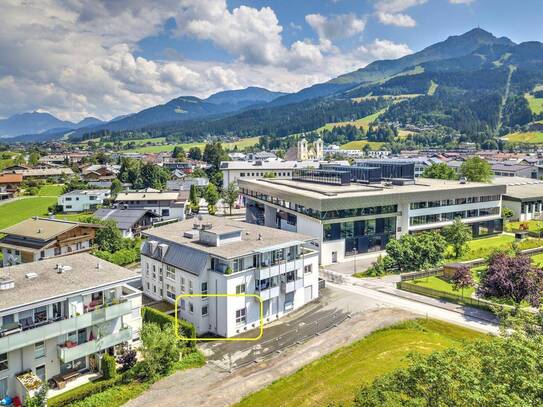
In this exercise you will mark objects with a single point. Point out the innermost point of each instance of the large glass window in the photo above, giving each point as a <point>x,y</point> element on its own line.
<point>3,361</point>
<point>39,350</point>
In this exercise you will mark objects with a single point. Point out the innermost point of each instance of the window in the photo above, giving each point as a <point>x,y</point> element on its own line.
<point>240,289</point>
<point>39,350</point>
<point>40,372</point>
<point>191,307</point>
<point>204,310</point>
<point>182,284</point>
<point>3,387</point>
<point>148,287</point>
<point>308,269</point>
<point>241,318</point>
<point>68,206</point>
<point>3,361</point>
<point>170,272</point>
<point>190,287</point>
<point>57,251</point>
<point>183,304</point>
<point>204,288</point>
<point>165,212</point>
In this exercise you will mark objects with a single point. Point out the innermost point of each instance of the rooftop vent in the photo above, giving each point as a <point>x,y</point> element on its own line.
<point>6,283</point>
<point>260,236</point>
<point>31,275</point>
<point>61,269</point>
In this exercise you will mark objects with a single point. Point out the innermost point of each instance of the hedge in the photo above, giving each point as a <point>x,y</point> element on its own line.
<point>78,393</point>
<point>109,368</point>
<point>160,318</point>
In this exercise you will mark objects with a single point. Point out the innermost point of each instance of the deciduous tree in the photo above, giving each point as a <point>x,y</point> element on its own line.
<point>457,235</point>
<point>475,169</point>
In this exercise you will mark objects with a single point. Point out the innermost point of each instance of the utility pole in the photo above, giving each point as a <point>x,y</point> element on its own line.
<point>354,264</point>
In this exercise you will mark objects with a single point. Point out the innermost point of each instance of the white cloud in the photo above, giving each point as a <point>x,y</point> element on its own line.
<point>461,1</point>
<point>390,12</point>
<point>385,49</point>
<point>76,58</point>
<point>336,27</point>
<point>398,19</point>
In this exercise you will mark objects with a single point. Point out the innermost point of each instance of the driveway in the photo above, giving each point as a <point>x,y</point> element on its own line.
<point>352,265</point>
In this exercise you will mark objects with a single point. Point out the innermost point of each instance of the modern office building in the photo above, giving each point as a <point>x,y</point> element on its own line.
<point>57,319</point>
<point>215,255</point>
<point>83,200</point>
<point>41,238</point>
<point>359,210</point>
<point>524,197</point>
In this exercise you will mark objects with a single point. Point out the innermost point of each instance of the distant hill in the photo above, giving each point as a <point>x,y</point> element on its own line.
<point>27,123</point>
<point>244,97</point>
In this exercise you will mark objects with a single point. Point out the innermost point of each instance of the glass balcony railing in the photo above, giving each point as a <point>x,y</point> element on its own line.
<point>53,329</point>
<point>69,354</point>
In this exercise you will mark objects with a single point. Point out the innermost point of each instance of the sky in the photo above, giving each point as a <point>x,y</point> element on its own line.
<point>104,58</point>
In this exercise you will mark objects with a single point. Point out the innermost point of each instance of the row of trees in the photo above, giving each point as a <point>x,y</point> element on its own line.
<point>474,169</point>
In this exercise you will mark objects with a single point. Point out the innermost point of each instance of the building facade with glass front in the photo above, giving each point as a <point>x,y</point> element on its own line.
<point>362,218</point>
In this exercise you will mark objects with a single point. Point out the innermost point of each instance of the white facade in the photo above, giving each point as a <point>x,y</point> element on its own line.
<point>12,256</point>
<point>285,277</point>
<point>61,334</point>
<point>167,205</point>
<point>81,201</point>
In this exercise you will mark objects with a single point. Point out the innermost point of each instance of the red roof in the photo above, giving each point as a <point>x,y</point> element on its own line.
<point>11,178</point>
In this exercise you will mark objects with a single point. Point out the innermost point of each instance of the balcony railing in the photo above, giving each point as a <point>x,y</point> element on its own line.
<point>60,327</point>
<point>68,354</point>
<point>290,286</point>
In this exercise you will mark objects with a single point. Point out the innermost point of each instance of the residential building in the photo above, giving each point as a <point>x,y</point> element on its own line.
<point>131,222</point>
<point>9,184</point>
<point>524,197</point>
<point>99,172</point>
<point>55,174</point>
<point>167,205</point>
<point>514,170</point>
<point>358,210</point>
<point>81,200</point>
<point>183,166</point>
<point>216,255</point>
<point>185,183</point>
<point>40,238</point>
<point>56,320</point>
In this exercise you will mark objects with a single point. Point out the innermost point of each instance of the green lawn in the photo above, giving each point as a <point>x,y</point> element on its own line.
<point>363,122</point>
<point>439,284</point>
<point>536,104</point>
<point>478,248</point>
<point>241,144</point>
<point>538,260</point>
<point>24,208</point>
<point>335,378</point>
<point>432,89</point>
<point>51,190</point>
<point>533,225</point>
<point>359,145</point>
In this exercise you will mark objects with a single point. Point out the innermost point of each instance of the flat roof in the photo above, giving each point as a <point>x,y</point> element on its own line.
<point>150,196</point>
<point>249,243</point>
<point>42,228</point>
<point>87,192</point>
<point>333,197</point>
<point>83,275</point>
<point>520,188</point>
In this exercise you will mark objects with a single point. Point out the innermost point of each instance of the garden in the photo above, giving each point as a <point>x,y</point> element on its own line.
<point>125,377</point>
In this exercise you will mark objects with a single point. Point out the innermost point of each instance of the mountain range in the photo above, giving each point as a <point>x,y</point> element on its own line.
<point>469,83</point>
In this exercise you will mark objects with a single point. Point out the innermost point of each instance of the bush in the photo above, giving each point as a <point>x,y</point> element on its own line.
<point>151,315</point>
<point>109,367</point>
<point>128,359</point>
<point>86,390</point>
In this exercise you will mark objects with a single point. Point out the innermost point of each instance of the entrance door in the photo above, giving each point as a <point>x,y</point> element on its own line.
<point>334,257</point>
<point>308,293</point>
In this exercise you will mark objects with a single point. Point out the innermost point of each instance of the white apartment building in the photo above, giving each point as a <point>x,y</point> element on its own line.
<point>56,319</point>
<point>83,200</point>
<point>524,197</point>
<point>349,218</point>
<point>167,205</point>
<point>214,255</point>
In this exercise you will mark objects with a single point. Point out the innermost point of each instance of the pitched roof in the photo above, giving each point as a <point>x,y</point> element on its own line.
<point>125,218</point>
<point>10,178</point>
<point>42,228</point>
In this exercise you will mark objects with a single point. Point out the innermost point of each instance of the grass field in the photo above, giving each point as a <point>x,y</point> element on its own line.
<point>432,89</point>
<point>359,145</point>
<point>51,190</point>
<point>533,225</point>
<point>536,104</point>
<point>439,284</point>
<point>24,208</point>
<point>479,248</point>
<point>241,144</point>
<point>335,378</point>
<point>143,141</point>
<point>533,137</point>
<point>363,122</point>
<point>396,98</point>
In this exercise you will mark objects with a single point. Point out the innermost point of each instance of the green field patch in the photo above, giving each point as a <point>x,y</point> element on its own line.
<point>335,378</point>
<point>241,144</point>
<point>363,122</point>
<point>360,144</point>
<point>536,104</point>
<point>51,190</point>
<point>20,209</point>
<point>532,137</point>
<point>432,89</point>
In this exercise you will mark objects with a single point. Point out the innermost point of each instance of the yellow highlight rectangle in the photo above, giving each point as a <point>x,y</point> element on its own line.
<point>220,339</point>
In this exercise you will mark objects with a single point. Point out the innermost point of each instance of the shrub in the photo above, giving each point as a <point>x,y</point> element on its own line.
<point>71,396</point>
<point>151,315</point>
<point>128,359</point>
<point>109,368</point>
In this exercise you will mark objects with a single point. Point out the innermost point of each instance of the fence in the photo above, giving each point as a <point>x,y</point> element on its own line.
<point>332,276</point>
<point>275,345</point>
<point>442,295</point>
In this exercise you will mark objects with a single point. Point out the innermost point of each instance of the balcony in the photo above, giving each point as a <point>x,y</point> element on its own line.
<point>290,286</point>
<point>60,327</point>
<point>67,354</point>
<point>267,293</point>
